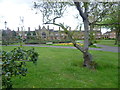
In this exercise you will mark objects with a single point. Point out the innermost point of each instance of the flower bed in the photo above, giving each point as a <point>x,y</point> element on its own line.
<point>67,44</point>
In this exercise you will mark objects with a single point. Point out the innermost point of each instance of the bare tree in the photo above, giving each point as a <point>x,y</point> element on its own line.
<point>54,10</point>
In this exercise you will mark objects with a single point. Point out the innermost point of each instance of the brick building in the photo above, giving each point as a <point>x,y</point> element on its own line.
<point>109,35</point>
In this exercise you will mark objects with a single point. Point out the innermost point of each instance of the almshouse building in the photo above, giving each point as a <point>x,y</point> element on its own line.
<point>43,33</point>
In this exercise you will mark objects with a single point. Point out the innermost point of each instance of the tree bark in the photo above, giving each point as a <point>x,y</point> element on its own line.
<point>87,59</point>
<point>86,35</point>
<point>92,38</point>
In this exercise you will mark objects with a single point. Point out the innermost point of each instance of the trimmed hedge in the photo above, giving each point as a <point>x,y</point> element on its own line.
<point>44,42</point>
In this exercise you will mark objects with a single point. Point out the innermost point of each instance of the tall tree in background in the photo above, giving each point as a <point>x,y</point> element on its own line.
<point>97,12</point>
<point>112,21</point>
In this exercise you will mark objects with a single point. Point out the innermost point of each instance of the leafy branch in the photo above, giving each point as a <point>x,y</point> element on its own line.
<point>14,64</point>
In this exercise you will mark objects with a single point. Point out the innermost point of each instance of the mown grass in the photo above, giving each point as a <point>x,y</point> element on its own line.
<point>62,68</point>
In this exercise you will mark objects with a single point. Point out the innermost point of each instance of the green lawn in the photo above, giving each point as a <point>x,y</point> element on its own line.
<point>107,42</point>
<point>62,68</point>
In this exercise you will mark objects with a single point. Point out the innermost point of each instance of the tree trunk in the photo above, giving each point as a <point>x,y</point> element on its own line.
<point>92,38</point>
<point>86,55</point>
<point>86,34</point>
<point>87,59</point>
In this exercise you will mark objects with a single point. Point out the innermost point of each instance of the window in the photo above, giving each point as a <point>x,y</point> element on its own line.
<point>43,34</point>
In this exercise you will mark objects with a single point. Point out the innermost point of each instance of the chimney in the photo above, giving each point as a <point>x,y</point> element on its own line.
<point>59,28</point>
<point>39,27</point>
<point>48,27</point>
<point>18,29</point>
<point>28,28</point>
<point>69,28</point>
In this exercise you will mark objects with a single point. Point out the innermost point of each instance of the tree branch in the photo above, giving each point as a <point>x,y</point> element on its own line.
<point>78,6</point>
<point>55,19</point>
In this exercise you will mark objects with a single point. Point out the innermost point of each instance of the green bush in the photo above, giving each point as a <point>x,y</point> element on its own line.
<point>44,42</point>
<point>14,64</point>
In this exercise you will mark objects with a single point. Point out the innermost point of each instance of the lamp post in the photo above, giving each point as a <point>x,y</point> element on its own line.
<point>5,25</point>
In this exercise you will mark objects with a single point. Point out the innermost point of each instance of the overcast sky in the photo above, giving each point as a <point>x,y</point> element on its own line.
<point>11,10</point>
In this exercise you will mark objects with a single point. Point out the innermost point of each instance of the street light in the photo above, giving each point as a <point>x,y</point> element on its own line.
<point>5,25</point>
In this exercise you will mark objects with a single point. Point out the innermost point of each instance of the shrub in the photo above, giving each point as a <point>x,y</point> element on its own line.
<point>14,63</point>
<point>44,42</point>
